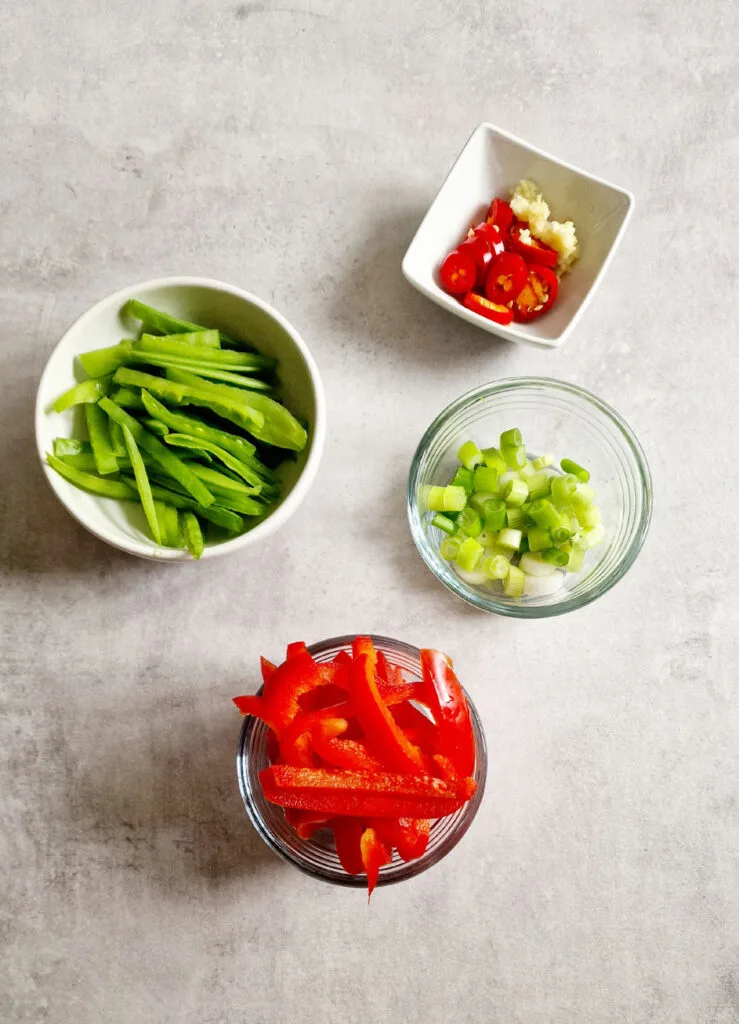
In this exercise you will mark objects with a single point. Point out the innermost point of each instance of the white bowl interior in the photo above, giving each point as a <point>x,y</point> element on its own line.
<point>205,302</point>
<point>491,164</point>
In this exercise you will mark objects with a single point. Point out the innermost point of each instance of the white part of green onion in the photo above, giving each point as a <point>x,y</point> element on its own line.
<point>542,586</point>
<point>543,461</point>
<point>527,471</point>
<point>506,478</point>
<point>535,566</point>
<point>475,577</point>
<point>577,560</point>
<point>515,582</point>
<point>589,538</point>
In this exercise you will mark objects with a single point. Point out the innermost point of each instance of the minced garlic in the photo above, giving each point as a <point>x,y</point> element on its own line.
<point>529,205</point>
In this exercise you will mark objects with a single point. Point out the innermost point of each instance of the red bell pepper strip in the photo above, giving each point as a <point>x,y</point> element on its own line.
<point>506,278</point>
<point>490,310</point>
<point>268,669</point>
<point>294,677</point>
<point>347,839</point>
<point>273,747</point>
<point>296,741</point>
<point>363,794</point>
<point>363,645</point>
<point>296,817</point>
<point>533,251</point>
<point>341,753</point>
<point>374,856</point>
<point>384,737</point>
<point>390,682</point>
<point>251,704</point>
<point>409,836</point>
<point>294,649</point>
<point>322,697</point>
<point>537,296</point>
<point>418,728</point>
<point>458,273</point>
<point>500,214</point>
<point>451,712</point>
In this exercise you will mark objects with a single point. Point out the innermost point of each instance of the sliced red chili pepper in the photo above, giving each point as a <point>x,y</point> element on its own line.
<point>500,214</point>
<point>537,295</point>
<point>506,278</point>
<point>347,839</point>
<point>533,251</point>
<point>451,712</point>
<point>491,233</point>
<point>458,272</point>
<point>363,794</point>
<point>374,856</point>
<point>341,753</point>
<point>481,252</point>
<point>384,737</point>
<point>490,310</point>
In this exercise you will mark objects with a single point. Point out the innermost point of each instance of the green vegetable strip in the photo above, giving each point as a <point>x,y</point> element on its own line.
<point>216,514</point>
<point>142,483</point>
<point>102,449</point>
<point>71,446</point>
<point>116,440</point>
<point>511,438</point>
<point>87,391</point>
<point>182,394</point>
<point>568,466</point>
<point>183,424</point>
<point>105,360</point>
<point>470,455</point>
<point>194,339</point>
<point>280,427</point>
<point>171,526</point>
<point>223,359</point>
<point>215,373</point>
<point>191,533</point>
<point>162,323</point>
<point>88,482</point>
<point>83,460</point>
<point>197,444</point>
<point>155,427</point>
<point>169,462</point>
<point>127,398</point>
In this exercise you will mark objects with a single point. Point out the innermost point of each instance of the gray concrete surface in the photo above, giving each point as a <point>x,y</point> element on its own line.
<point>292,148</point>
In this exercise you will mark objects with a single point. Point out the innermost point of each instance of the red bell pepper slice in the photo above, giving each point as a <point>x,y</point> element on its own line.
<point>458,273</point>
<point>273,747</point>
<point>295,649</point>
<point>268,669</point>
<point>390,682</point>
<point>418,728</point>
<point>490,310</point>
<point>409,836</point>
<point>451,712</point>
<point>506,278</point>
<point>251,704</point>
<point>374,856</point>
<point>500,214</point>
<point>294,677</point>
<point>296,741</point>
<point>384,737</point>
<point>537,295</point>
<point>534,251</point>
<point>363,794</point>
<point>341,753</point>
<point>347,839</point>
<point>322,697</point>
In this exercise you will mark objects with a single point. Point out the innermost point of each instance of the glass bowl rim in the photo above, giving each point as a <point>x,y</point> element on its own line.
<point>491,603</point>
<point>405,870</point>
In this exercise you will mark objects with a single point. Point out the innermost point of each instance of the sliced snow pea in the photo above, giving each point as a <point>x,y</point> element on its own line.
<point>88,391</point>
<point>102,448</point>
<point>191,533</point>
<point>215,514</point>
<point>88,482</point>
<point>169,462</point>
<point>183,424</point>
<point>234,464</point>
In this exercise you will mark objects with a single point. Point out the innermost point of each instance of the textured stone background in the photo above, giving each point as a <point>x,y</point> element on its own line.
<point>292,148</point>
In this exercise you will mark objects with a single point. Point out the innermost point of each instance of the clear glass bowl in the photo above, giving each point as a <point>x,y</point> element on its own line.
<point>317,856</point>
<point>556,417</point>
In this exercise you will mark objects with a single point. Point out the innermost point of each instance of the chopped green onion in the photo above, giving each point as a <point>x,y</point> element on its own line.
<point>447,499</point>
<point>505,478</point>
<point>555,556</point>
<point>524,546</point>
<point>515,518</point>
<point>568,466</point>
<point>563,487</point>
<point>577,560</point>
<point>494,460</point>
<point>469,554</point>
<point>510,539</point>
<point>464,478</point>
<point>535,565</point>
<point>543,461</point>
<point>442,522</point>
<point>539,538</point>
<point>494,515</point>
<point>514,582</point>
<point>583,496</point>
<point>527,471</point>
<point>510,438</point>
<point>449,548</point>
<point>589,538</point>
<point>543,513</point>
<point>496,567</point>
<point>515,456</point>
<point>588,517</point>
<point>539,485</point>
<point>516,492</point>
<point>470,455</point>
<point>470,522</point>
<point>486,479</point>
<point>479,499</point>
<point>542,586</point>
<point>560,534</point>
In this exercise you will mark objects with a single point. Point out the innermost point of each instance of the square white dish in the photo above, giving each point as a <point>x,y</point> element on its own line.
<point>491,163</point>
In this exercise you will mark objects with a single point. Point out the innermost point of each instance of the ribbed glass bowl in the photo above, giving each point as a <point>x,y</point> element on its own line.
<point>556,417</point>
<point>317,856</point>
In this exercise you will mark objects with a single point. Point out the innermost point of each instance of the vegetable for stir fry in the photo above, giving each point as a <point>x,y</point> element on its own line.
<point>410,759</point>
<point>132,402</point>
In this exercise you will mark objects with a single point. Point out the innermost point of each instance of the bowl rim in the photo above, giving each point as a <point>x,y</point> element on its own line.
<point>490,603</point>
<point>286,508</point>
<point>510,331</point>
<point>407,869</point>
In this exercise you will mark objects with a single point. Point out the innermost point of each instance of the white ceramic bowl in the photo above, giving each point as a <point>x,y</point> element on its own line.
<point>211,303</point>
<point>491,164</point>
